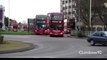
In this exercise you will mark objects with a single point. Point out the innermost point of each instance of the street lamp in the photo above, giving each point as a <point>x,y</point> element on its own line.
<point>90,16</point>
<point>105,4</point>
<point>8,15</point>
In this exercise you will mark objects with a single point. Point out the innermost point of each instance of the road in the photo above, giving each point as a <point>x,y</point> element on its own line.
<point>56,47</point>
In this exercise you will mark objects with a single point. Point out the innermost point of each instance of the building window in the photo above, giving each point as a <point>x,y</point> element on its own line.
<point>69,1</point>
<point>73,9</point>
<point>73,6</point>
<point>65,13</point>
<point>63,8</point>
<point>93,28</point>
<point>73,12</point>
<point>69,6</point>
<point>73,16</point>
<point>66,10</point>
<point>73,3</point>
<point>66,1</point>
<point>99,29</point>
<point>62,2</point>
<point>69,12</point>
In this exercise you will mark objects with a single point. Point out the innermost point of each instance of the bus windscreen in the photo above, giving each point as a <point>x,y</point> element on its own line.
<point>41,27</point>
<point>56,27</point>
<point>57,16</point>
<point>40,17</point>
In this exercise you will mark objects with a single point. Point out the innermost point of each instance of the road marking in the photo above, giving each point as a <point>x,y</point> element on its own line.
<point>43,57</point>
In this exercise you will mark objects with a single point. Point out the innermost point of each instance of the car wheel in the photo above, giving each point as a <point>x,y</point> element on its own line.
<point>92,43</point>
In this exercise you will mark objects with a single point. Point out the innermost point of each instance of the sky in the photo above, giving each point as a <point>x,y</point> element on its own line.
<point>21,10</point>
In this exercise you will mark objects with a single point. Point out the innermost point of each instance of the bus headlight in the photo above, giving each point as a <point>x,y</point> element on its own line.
<point>59,21</point>
<point>35,30</point>
<point>51,33</point>
<point>45,30</point>
<point>61,33</point>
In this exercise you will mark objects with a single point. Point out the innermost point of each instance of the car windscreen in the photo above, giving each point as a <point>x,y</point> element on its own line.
<point>105,33</point>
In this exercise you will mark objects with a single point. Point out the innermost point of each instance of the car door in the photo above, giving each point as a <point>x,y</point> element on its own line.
<point>103,37</point>
<point>96,36</point>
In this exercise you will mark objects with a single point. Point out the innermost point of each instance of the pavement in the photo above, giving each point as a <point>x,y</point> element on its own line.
<point>15,46</point>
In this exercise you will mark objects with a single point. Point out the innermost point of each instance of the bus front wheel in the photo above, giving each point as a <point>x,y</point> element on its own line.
<point>51,36</point>
<point>62,35</point>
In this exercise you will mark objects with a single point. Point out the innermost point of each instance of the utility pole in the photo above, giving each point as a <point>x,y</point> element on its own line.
<point>9,27</point>
<point>90,16</point>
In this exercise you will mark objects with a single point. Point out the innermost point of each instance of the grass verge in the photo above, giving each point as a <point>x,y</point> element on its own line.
<point>12,45</point>
<point>17,33</point>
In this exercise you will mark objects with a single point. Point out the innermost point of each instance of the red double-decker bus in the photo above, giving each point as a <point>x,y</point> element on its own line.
<point>40,24</point>
<point>15,27</point>
<point>56,23</point>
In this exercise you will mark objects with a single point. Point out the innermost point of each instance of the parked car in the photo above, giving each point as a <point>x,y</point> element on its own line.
<point>99,37</point>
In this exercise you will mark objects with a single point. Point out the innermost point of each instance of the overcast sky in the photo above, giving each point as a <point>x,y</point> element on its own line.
<point>20,10</point>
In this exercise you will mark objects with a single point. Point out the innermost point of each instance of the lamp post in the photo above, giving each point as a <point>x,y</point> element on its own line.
<point>90,16</point>
<point>9,15</point>
<point>105,4</point>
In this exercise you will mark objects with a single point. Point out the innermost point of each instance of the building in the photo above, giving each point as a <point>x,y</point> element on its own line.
<point>68,8</point>
<point>2,9</point>
<point>75,10</point>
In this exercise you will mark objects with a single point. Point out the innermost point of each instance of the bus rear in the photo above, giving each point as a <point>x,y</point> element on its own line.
<point>56,24</point>
<point>40,24</point>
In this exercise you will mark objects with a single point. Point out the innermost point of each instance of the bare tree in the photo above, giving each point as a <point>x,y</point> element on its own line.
<point>84,11</point>
<point>98,10</point>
